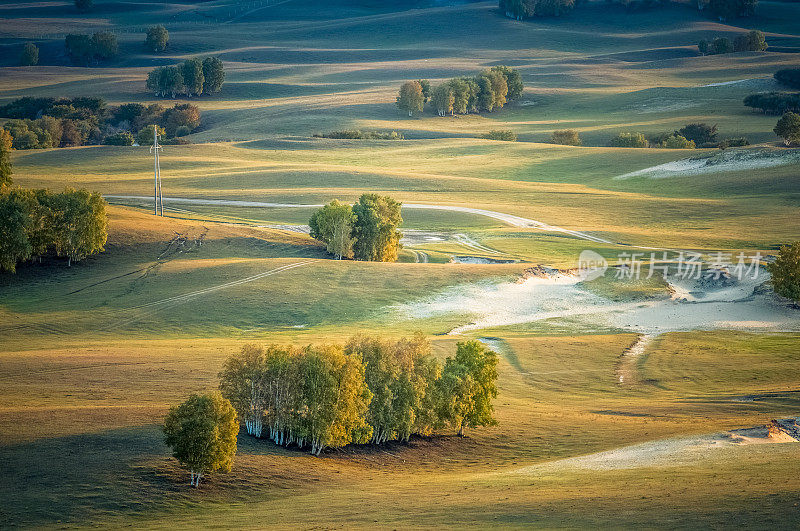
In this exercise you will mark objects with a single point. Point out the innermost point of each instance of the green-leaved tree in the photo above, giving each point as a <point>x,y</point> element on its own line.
<point>202,434</point>
<point>29,55</point>
<point>157,38</point>
<point>213,75</point>
<point>788,128</point>
<point>333,225</point>
<point>785,271</point>
<point>467,386</point>
<point>5,159</point>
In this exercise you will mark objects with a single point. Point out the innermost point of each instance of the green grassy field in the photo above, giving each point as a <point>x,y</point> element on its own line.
<point>91,356</point>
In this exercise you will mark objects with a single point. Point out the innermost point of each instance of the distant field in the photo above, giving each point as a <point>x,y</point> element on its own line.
<point>94,354</point>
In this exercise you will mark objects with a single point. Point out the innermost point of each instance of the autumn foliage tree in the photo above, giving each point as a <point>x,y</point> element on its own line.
<point>490,90</point>
<point>202,434</point>
<point>371,390</point>
<point>375,229</point>
<point>411,98</point>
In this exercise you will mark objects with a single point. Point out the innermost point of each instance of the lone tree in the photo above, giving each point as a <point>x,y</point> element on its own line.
<point>157,38</point>
<point>468,385</point>
<point>5,159</point>
<point>788,128</point>
<point>30,55</point>
<point>785,271</point>
<point>202,434</point>
<point>333,225</point>
<point>377,219</point>
<point>411,98</point>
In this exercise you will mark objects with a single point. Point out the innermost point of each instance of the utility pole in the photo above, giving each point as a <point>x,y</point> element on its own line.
<point>158,201</point>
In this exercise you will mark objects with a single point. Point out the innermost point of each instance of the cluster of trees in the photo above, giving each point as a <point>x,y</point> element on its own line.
<point>368,391</point>
<point>84,49</point>
<point>753,41</point>
<point>774,102</point>
<point>489,90</point>
<point>364,231</point>
<point>193,77</point>
<point>355,134</point>
<point>49,122</point>
<point>659,140</point>
<point>522,9</point>
<point>688,137</point>
<point>38,223</point>
<point>785,272</point>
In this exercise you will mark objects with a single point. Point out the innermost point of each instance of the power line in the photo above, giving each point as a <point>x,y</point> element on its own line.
<point>158,201</point>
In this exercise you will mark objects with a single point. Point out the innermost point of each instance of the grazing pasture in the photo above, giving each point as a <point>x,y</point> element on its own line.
<point>93,355</point>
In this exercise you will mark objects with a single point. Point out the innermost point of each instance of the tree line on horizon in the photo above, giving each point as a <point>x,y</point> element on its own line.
<point>36,123</point>
<point>370,390</point>
<point>526,9</point>
<point>84,49</point>
<point>367,230</point>
<point>489,90</point>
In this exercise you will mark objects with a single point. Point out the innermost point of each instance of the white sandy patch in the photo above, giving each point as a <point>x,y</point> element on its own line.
<point>728,160</point>
<point>663,105</point>
<point>725,83</point>
<point>667,452</point>
<point>486,305</point>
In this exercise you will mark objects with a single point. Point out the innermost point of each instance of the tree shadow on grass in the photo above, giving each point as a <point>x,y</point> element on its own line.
<point>122,473</point>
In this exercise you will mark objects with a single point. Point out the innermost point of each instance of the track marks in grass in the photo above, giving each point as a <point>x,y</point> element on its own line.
<point>170,302</point>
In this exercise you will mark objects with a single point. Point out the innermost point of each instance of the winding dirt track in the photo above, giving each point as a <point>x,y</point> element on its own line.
<point>514,221</point>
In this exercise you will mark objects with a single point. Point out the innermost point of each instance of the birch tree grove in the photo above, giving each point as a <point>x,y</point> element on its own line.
<point>369,391</point>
